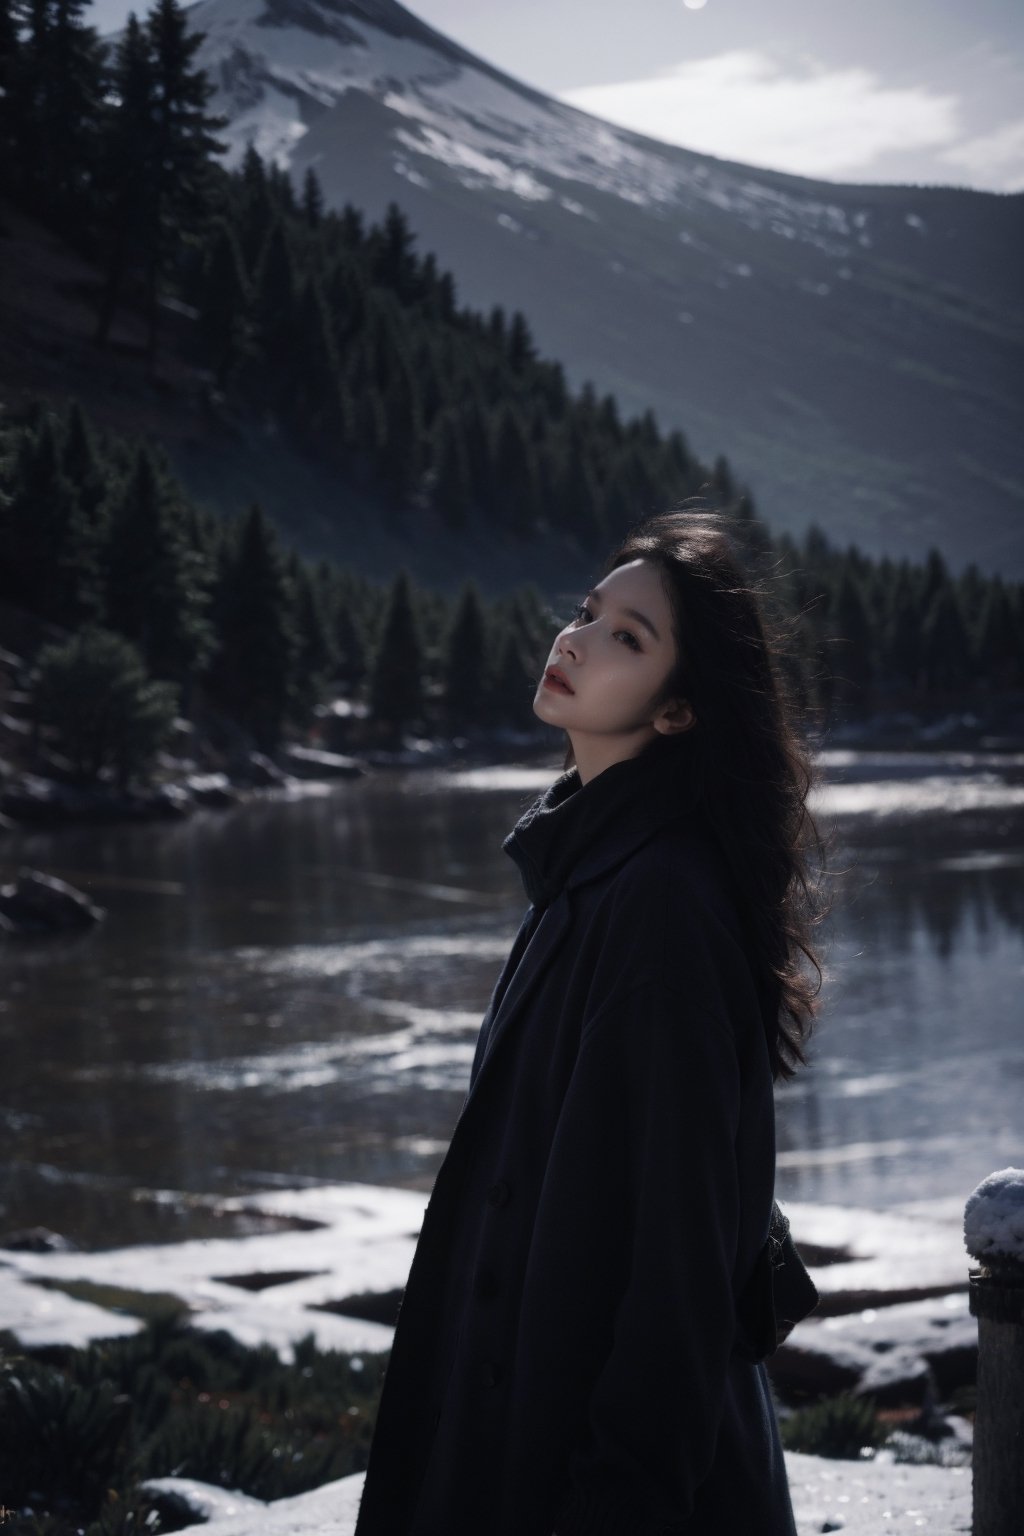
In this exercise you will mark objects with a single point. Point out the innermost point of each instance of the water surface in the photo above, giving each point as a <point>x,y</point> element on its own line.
<point>291,990</point>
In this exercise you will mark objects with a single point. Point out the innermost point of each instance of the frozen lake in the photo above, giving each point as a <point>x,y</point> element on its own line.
<point>291,991</point>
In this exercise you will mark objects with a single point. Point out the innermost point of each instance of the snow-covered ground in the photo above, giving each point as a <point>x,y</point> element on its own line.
<point>364,1242</point>
<point>858,1498</point>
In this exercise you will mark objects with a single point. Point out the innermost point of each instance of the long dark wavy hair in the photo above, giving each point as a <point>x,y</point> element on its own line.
<point>754,770</point>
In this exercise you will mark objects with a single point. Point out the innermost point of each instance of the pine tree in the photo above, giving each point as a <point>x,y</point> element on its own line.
<point>350,647</point>
<point>398,451</point>
<point>274,303</point>
<point>465,661</point>
<point>452,491</point>
<point>255,211</point>
<point>347,302</point>
<point>852,645</point>
<point>933,579</point>
<point>723,489</point>
<point>76,86</point>
<point>902,647</point>
<point>127,194</point>
<point>159,174</point>
<point>514,497</point>
<point>751,533</point>
<point>998,659</point>
<point>314,378</point>
<point>251,673</point>
<point>352,232</point>
<point>49,552</point>
<point>446,296</point>
<point>157,586</point>
<point>396,680</point>
<point>52,95</point>
<point>312,199</point>
<point>393,262</point>
<point>514,686</point>
<point>184,145</point>
<point>497,328</point>
<point>946,646</point>
<point>224,304</point>
<point>580,503</point>
<point>11,113</point>
<point>521,351</point>
<point>315,656</point>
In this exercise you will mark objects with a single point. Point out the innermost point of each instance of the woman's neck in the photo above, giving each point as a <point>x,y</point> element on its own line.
<point>593,754</point>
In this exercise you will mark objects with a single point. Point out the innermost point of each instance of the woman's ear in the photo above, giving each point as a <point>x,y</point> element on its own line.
<point>675,716</point>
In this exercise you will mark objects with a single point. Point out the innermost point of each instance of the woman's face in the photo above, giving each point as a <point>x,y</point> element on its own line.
<point>607,667</point>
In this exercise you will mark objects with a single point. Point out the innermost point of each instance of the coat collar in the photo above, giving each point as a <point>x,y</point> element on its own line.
<point>575,832</point>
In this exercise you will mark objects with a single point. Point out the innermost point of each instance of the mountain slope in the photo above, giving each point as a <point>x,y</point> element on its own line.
<point>855,351</point>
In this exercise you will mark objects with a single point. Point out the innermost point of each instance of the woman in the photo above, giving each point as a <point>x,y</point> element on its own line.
<point>570,1357</point>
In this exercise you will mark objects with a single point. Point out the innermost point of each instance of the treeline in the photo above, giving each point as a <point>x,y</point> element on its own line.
<point>340,335</point>
<point>873,635</point>
<point>99,538</point>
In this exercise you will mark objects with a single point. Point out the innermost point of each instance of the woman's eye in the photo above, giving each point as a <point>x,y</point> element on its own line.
<point>581,614</point>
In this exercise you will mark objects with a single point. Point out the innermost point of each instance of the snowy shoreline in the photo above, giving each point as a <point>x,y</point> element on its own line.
<point>357,1242</point>
<point>857,1498</point>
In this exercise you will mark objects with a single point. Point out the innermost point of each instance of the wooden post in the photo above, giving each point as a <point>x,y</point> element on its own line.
<point>997,1301</point>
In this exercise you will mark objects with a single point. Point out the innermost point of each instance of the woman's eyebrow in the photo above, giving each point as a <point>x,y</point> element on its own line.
<point>631,613</point>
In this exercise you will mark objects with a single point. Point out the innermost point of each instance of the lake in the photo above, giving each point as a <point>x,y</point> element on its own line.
<point>290,991</point>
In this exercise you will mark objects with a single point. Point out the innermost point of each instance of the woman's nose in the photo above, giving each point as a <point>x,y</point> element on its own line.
<point>567,644</point>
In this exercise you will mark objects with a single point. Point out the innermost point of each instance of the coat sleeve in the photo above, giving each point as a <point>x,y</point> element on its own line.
<point>660,1074</point>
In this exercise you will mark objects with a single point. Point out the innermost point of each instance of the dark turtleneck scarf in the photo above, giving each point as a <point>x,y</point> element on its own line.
<point>573,824</point>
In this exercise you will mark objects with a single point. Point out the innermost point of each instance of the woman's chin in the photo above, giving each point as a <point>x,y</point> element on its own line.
<point>547,705</point>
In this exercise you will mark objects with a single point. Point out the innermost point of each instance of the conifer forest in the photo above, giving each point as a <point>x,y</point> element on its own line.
<point>345,340</point>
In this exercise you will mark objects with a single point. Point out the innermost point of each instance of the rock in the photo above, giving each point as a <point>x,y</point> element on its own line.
<point>43,802</point>
<point>808,1366</point>
<point>43,904</point>
<point>309,763</point>
<point>214,790</point>
<point>258,771</point>
<point>896,1353</point>
<point>897,1380</point>
<point>36,1240</point>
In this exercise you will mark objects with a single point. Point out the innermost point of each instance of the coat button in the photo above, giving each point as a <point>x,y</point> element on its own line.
<point>498,1194</point>
<point>491,1373</point>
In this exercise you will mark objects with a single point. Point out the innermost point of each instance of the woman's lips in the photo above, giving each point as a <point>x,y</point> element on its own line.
<point>553,679</point>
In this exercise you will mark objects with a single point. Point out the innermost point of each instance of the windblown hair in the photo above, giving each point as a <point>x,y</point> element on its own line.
<point>754,771</point>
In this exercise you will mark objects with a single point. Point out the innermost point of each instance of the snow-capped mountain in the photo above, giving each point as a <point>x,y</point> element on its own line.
<point>855,351</point>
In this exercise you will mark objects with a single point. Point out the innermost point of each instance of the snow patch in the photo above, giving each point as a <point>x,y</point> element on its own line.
<point>403,168</point>
<point>473,167</point>
<point>365,1242</point>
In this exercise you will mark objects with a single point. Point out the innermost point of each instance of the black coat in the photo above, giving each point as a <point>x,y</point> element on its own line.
<point>565,1358</point>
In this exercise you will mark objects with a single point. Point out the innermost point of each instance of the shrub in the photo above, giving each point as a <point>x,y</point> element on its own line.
<point>105,710</point>
<point>837,1426</point>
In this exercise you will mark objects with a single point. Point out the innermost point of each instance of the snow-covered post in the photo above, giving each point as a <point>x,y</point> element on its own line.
<point>994,1235</point>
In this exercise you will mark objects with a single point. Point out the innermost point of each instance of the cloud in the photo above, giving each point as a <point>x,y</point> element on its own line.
<point>744,105</point>
<point>992,160</point>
